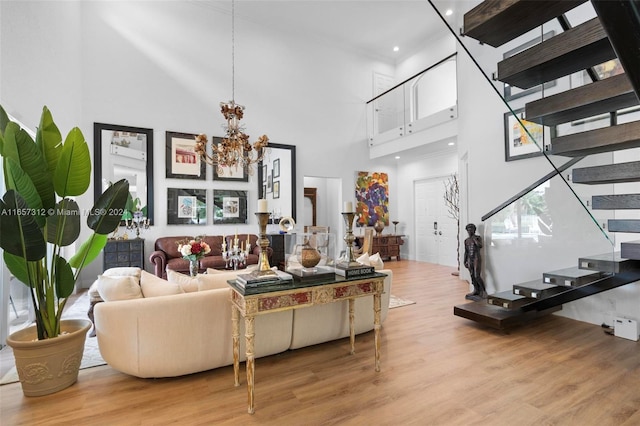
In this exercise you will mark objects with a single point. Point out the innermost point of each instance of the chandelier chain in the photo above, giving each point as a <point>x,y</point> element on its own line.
<point>233,51</point>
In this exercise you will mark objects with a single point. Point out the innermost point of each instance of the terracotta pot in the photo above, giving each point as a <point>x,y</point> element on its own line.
<point>50,365</point>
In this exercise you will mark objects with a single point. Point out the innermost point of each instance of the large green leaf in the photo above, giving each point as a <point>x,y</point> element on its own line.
<point>88,251</point>
<point>4,120</point>
<point>9,147</point>
<point>16,178</point>
<point>17,266</point>
<point>49,140</point>
<point>64,280</point>
<point>106,213</point>
<point>63,226</point>
<point>32,162</point>
<point>20,234</point>
<point>73,173</point>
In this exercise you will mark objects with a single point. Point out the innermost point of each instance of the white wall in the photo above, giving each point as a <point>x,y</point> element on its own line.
<point>166,66</point>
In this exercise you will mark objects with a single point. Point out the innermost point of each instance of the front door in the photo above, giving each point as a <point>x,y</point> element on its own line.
<point>436,231</point>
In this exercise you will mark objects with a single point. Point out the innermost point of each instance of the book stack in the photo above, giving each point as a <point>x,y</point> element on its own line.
<point>254,281</point>
<point>354,271</point>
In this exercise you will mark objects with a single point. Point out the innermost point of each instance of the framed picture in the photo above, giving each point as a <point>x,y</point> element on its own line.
<point>269,182</point>
<point>238,174</point>
<point>229,206</point>
<point>186,206</point>
<point>511,92</point>
<point>264,173</point>
<point>276,189</point>
<point>523,142</point>
<point>182,160</point>
<point>276,168</point>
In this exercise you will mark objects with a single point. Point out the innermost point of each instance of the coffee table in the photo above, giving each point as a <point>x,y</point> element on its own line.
<point>251,302</point>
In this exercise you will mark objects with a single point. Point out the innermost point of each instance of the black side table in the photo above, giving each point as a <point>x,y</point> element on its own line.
<point>124,253</point>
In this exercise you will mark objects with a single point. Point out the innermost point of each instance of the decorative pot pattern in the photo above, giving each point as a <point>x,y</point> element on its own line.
<point>48,366</point>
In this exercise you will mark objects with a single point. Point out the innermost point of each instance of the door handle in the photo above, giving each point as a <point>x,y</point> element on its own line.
<point>440,233</point>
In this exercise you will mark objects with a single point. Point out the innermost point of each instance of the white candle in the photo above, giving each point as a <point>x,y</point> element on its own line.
<point>263,207</point>
<point>348,207</point>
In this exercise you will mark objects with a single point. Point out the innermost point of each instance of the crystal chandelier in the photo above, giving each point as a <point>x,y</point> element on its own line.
<point>235,150</point>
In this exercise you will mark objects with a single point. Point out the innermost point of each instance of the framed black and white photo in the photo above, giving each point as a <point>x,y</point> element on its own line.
<point>182,160</point>
<point>186,206</point>
<point>225,173</point>
<point>522,138</point>
<point>276,168</point>
<point>276,189</point>
<point>229,206</point>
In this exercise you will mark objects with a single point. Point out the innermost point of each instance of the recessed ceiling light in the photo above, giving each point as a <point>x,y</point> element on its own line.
<point>396,48</point>
<point>449,12</point>
<point>397,157</point>
<point>451,143</point>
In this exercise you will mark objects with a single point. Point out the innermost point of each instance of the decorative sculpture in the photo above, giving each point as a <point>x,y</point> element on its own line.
<point>473,262</point>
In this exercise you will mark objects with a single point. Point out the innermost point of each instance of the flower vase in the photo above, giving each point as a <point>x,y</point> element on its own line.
<point>193,267</point>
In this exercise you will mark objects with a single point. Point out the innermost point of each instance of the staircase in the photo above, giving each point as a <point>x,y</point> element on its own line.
<point>615,33</point>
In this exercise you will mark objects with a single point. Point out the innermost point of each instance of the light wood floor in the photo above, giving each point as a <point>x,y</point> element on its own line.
<point>437,369</point>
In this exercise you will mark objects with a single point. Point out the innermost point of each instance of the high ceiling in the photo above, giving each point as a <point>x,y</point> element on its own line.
<point>372,27</point>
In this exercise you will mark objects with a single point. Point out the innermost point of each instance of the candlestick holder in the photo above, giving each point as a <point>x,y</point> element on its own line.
<point>264,269</point>
<point>138,223</point>
<point>235,257</point>
<point>349,238</point>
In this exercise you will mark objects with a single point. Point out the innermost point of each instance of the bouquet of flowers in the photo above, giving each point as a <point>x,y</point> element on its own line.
<point>193,249</point>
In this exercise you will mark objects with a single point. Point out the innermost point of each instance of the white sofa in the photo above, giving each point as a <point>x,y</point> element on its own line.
<point>168,335</point>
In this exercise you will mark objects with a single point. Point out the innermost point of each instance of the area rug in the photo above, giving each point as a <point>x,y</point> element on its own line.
<point>397,302</point>
<point>91,356</point>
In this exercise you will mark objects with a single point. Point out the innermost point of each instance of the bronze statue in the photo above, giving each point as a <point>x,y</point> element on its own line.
<point>473,262</point>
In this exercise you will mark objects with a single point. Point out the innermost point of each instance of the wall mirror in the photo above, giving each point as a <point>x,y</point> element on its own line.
<point>123,152</point>
<point>277,180</point>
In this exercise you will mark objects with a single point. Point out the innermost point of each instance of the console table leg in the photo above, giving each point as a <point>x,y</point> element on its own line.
<point>235,333</point>
<point>352,328</point>
<point>376,325</point>
<point>249,335</point>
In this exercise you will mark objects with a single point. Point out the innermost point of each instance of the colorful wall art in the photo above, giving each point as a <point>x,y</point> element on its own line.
<point>372,198</point>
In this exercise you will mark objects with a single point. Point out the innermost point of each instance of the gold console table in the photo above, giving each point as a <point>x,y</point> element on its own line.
<point>294,295</point>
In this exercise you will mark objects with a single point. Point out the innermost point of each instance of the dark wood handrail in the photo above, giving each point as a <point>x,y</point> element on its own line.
<point>414,76</point>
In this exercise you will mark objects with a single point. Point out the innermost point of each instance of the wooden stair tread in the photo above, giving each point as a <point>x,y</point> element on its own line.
<point>607,139</point>
<point>611,94</point>
<point>496,317</point>
<point>577,49</point>
<point>571,277</point>
<point>610,173</point>
<point>630,250</point>
<point>615,202</point>
<point>609,262</point>
<point>496,22</point>
<point>537,289</point>
<point>624,225</point>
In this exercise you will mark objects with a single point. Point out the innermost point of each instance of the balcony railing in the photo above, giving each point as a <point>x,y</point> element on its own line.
<point>425,100</point>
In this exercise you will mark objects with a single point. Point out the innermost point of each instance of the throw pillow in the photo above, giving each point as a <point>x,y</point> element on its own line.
<point>364,259</point>
<point>111,289</point>
<point>188,284</point>
<point>122,271</point>
<point>214,281</point>
<point>153,286</point>
<point>376,261</point>
<point>211,271</point>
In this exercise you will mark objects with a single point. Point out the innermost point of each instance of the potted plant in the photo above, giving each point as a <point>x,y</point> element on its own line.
<point>38,219</point>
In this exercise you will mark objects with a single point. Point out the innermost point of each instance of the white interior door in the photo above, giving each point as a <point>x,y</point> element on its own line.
<point>436,232</point>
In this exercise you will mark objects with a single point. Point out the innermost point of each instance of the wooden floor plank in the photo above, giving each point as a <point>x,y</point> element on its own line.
<point>437,369</point>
